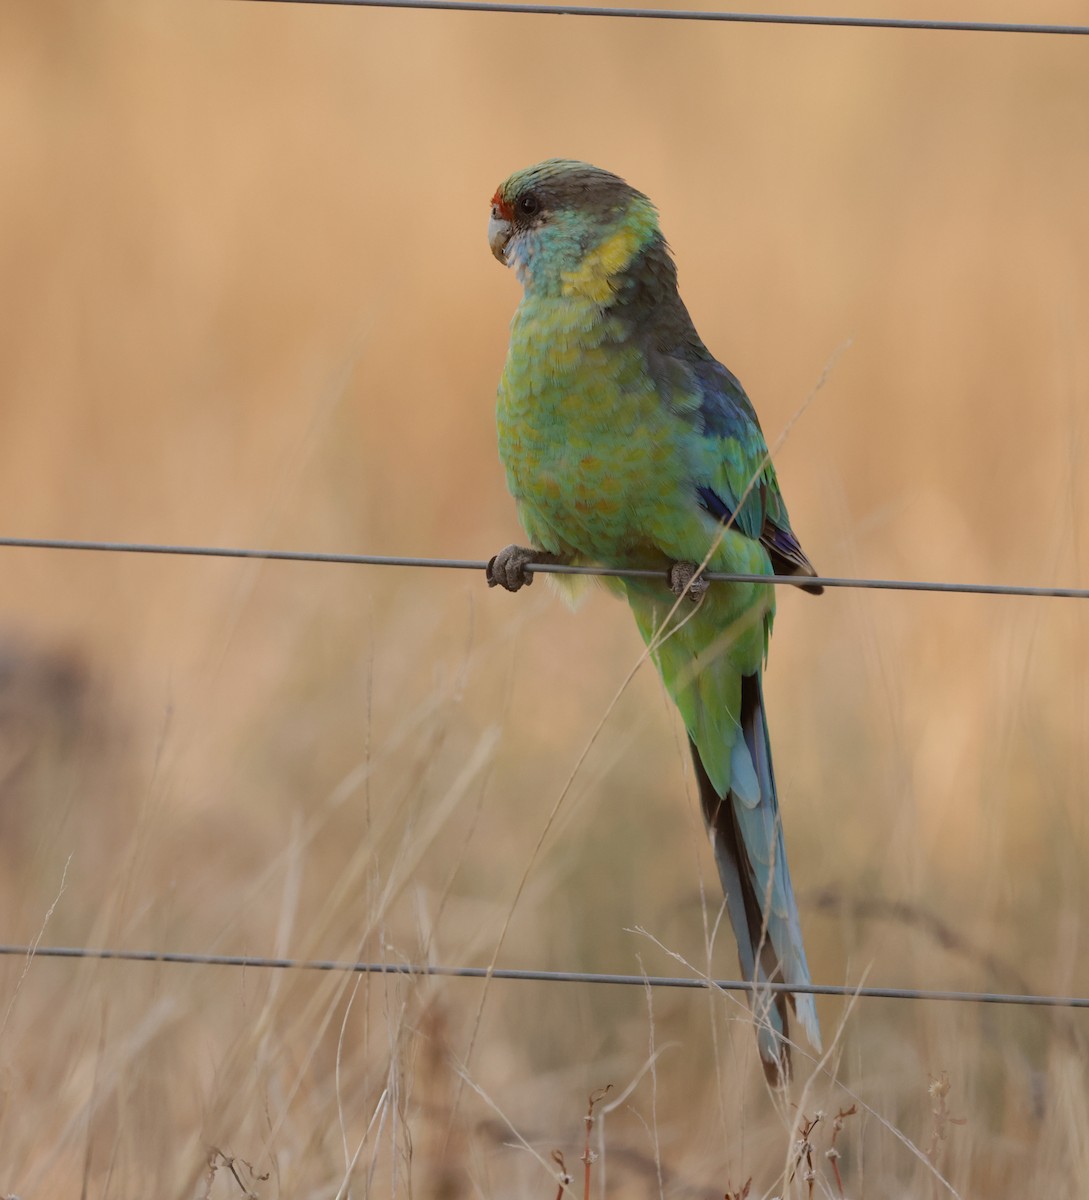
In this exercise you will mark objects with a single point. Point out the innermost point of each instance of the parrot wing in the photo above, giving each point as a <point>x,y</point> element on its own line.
<point>737,480</point>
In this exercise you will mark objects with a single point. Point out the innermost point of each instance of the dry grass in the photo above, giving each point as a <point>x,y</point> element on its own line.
<point>247,299</point>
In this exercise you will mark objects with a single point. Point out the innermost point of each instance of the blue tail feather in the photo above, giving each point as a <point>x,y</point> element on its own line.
<point>751,857</point>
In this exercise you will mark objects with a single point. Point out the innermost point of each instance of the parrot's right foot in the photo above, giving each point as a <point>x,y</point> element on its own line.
<point>680,580</point>
<point>507,569</point>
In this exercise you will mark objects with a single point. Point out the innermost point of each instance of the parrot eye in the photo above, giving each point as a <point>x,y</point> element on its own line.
<point>528,204</point>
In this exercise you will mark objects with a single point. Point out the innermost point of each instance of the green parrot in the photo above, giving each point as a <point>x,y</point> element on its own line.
<point>626,444</point>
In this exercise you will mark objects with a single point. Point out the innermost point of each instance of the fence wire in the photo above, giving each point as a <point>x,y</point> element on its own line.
<point>739,18</point>
<point>469,564</point>
<point>532,976</point>
<point>542,976</point>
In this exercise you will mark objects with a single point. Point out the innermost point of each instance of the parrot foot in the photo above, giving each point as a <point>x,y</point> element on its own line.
<point>507,569</point>
<point>680,580</point>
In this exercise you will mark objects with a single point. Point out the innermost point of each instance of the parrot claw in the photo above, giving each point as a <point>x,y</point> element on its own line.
<point>680,580</point>
<point>507,569</point>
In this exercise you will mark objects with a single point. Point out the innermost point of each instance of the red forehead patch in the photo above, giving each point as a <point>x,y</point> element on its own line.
<point>501,204</point>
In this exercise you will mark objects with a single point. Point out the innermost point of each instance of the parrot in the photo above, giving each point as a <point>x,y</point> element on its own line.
<point>626,444</point>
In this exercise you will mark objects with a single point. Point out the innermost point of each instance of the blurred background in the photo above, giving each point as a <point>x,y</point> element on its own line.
<point>247,300</point>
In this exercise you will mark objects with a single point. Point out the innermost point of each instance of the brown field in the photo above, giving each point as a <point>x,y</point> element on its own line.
<point>247,300</point>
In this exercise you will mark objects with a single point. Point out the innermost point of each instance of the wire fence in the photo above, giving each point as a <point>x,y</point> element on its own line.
<point>739,18</point>
<point>502,973</point>
<point>535,976</point>
<point>505,973</point>
<point>592,978</point>
<point>469,564</point>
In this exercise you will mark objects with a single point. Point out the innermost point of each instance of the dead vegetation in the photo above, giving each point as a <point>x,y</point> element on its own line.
<point>248,301</point>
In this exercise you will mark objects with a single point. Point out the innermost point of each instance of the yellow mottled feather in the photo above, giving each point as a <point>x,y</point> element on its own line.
<point>593,278</point>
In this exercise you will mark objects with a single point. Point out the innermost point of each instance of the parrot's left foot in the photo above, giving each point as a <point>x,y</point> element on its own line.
<point>680,580</point>
<point>507,569</point>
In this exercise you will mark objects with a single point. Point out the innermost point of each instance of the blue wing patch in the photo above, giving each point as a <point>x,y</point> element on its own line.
<point>784,549</point>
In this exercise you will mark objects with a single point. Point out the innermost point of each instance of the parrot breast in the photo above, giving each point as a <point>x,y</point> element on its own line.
<point>579,430</point>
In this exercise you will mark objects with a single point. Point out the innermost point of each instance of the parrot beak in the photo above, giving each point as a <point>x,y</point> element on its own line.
<point>500,230</point>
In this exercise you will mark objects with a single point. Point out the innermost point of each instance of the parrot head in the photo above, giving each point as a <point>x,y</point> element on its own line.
<point>568,228</point>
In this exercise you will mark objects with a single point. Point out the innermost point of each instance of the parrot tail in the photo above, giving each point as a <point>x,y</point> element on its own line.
<point>747,837</point>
